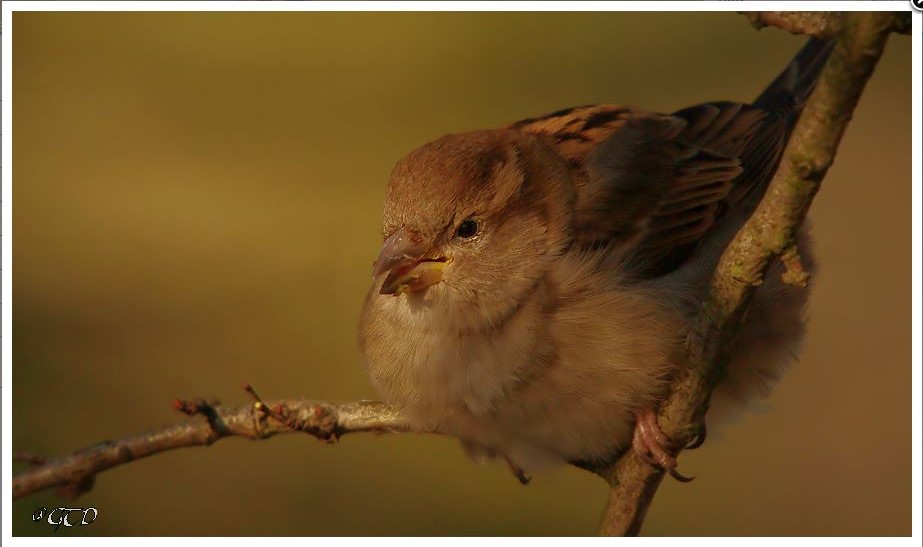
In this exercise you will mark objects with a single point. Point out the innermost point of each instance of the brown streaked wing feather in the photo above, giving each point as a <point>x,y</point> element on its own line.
<point>724,155</point>
<point>576,131</point>
<point>740,131</point>
<point>654,184</point>
<point>610,200</point>
<point>687,195</point>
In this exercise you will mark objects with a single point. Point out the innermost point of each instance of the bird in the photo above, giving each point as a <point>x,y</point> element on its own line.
<point>535,290</point>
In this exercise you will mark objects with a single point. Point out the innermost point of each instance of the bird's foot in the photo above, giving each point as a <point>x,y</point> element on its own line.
<point>653,446</point>
<point>518,472</point>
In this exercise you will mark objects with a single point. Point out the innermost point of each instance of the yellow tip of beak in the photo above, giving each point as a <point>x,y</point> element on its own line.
<point>413,277</point>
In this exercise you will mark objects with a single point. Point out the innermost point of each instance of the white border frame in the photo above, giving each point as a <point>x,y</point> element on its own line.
<point>6,169</point>
<point>453,5</point>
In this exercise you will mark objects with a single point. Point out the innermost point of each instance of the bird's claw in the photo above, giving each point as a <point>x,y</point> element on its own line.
<point>518,472</point>
<point>653,447</point>
<point>699,438</point>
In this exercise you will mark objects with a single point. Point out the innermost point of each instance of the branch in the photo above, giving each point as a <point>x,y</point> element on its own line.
<point>819,24</point>
<point>768,234</point>
<point>74,474</point>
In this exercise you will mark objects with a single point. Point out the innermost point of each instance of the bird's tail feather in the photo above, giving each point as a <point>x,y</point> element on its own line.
<point>778,108</point>
<point>783,100</point>
<point>790,90</point>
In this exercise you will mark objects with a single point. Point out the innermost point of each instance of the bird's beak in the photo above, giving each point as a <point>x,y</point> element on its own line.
<point>403,256</point>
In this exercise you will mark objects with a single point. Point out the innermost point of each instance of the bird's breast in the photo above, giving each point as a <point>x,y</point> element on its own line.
<point>434,370</point>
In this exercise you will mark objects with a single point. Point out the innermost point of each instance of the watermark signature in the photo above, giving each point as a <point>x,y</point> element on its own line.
<point>66,516</point>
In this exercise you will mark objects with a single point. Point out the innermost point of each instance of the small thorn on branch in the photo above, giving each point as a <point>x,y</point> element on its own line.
<point>251,392</point>
<point>276,411</point>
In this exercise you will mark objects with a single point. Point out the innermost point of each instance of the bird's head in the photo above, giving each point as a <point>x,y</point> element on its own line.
<point>471,221</point>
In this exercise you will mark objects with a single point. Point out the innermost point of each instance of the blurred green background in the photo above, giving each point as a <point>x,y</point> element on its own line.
<point>197,202</point>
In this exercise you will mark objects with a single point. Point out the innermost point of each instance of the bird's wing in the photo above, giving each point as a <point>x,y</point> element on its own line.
<point>654,184</point>
<point>577,131</point>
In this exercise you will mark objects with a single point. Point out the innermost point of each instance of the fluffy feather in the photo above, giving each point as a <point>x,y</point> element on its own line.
<point>571,248</point>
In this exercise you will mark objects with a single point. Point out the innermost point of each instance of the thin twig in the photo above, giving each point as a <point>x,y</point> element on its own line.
<point>325,421</point>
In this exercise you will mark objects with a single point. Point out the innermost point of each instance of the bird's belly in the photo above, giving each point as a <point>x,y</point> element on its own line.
<point>567,406</point>
<point>542,389</point>
<point>542,426</point>
<point>444,377</point>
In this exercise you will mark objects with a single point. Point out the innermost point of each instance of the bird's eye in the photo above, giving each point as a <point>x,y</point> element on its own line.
<point>467,229</point>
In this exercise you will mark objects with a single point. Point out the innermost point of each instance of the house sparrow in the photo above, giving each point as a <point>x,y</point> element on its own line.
<point>537,282</point>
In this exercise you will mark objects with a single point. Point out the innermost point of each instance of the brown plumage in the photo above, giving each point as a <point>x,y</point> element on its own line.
<point>532,292</point>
